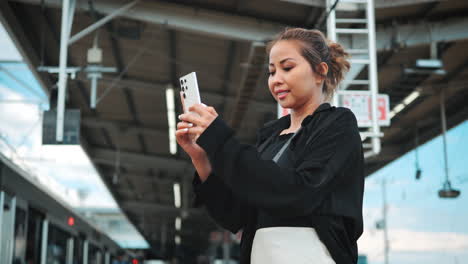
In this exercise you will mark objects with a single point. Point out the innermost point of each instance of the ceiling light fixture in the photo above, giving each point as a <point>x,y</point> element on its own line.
<point>407,101</point>
<point>176,189</point>
<point>171,119</point>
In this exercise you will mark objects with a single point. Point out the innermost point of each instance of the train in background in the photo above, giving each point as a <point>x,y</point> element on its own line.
<point>36,227</point>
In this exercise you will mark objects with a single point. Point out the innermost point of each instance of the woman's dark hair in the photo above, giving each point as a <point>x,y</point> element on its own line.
<point>316,48</point>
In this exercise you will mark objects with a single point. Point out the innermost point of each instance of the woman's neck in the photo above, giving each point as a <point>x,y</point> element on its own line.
<point>299,114</point>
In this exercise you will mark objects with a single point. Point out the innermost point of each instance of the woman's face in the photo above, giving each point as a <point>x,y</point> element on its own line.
<point>292,81</point>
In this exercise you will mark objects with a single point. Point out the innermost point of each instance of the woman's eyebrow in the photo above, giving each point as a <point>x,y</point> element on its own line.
<point>282,61</point>
<point>286,59</point>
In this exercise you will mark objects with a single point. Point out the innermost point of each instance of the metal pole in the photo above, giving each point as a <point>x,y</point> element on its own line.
<point>384,198</point>
<point>107,258</point>
<point>331,32</point>
<point>45,233</point>
<point>85,252</point>
<point>416,142</point>
<point>101,22</point>
<point>70,246</point>
<point>10,241</point>
<point>71,14</point>
<point>444,130</point>
<point>62,83</point>
<point>331,21</point>
<point>226,247</point>
<point>373,81</point>
<point>2,200</point>
<point>93,91</point>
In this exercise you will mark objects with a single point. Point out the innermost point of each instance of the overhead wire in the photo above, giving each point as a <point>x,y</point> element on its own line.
<point>137,55</point>
<point>323,18</point>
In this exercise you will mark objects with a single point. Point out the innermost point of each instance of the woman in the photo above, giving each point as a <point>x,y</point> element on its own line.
<point>300,204</point>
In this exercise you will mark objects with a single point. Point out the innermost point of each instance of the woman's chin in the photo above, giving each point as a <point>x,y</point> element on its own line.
<point>285,104</point>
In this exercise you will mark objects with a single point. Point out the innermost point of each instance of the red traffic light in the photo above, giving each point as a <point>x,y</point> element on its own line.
<point>71,221</point>
<point>135,261</point>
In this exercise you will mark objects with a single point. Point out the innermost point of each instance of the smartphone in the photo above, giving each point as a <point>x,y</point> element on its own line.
<point>190,95</point>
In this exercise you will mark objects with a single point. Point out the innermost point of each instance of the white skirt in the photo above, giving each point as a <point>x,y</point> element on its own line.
<point>292,245</point>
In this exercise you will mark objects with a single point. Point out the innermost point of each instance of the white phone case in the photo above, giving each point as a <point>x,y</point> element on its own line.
<point>189,91</point>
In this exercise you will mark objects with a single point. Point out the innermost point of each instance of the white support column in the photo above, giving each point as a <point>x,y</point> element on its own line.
<point>10,237</point>
<point>331,21</point>
<point>2,200</point>
<point>331,34</point>
<point>70,246</point>
<point>45,233</point>
<point>373,76</point>
<point>62,82</point>
<point>93,91</point>
<point>98,257</point>
<point>107,258</point>
<point>85,251</point>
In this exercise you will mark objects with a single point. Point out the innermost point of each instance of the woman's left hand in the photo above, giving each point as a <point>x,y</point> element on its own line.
<point>206,115</point>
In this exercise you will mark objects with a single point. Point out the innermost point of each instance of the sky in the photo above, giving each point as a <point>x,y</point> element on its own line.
<point>422,227</point>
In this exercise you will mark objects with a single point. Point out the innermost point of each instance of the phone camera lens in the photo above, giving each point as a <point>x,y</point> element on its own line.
<point>181,82</point>
<point>185,96</point>
<point>183,89</point>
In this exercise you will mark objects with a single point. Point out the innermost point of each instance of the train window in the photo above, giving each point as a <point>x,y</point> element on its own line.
<point>34,240</point>
<point>94,255</point>
<point>19,246</point>
<point>6,227</point>
<point>57,245</point>
<point>78,250</point>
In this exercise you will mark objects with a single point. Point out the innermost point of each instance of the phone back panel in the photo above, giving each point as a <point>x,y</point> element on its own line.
<point>190,92</point>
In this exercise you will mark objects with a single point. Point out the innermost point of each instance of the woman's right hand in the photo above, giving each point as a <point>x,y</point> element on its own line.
<point>197,154</point>
<point>188,143</point>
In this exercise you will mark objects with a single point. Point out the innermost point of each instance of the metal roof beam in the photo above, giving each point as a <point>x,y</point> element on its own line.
<point>378,3</point>
<point>124,128</point>
<point>175,16</point>
<point>245,28</point>
<point>138,160</point>
<point>163,210</point>
<point>249,82</point>
<point>227,75</point>
<point>173,57</point>
<point>146,179</point>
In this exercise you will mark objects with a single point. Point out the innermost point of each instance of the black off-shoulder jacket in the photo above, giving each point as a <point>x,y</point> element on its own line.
<point>318,182</point>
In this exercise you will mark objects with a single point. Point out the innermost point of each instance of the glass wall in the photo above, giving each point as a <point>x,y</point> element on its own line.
<point>94,255</point>
<point>19,246</point>
<point>78,250</point>
<point>34,237</point>
<point>57,245</point>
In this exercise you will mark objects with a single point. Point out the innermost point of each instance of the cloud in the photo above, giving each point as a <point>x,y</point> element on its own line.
<point>20,118</point>
<point>96,199</point>
<point>409,241</point>
<point>417,241</point>
<point>427,257</point>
